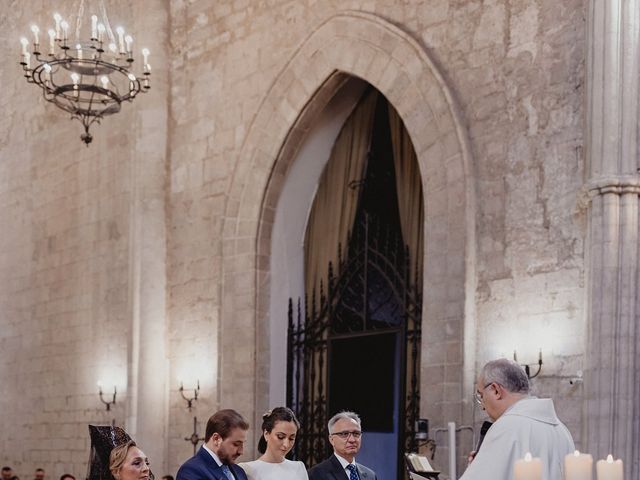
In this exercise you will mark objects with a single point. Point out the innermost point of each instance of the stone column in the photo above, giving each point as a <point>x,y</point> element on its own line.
<point>148,386</point>
<point>612,380</point>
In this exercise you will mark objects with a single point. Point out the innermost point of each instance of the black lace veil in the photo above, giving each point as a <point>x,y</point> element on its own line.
<point>103,440</point>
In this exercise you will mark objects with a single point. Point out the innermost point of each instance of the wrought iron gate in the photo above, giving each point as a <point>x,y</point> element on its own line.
<point>371,292</point>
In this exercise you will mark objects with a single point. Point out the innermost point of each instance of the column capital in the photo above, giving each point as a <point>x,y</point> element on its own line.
<point>618,184</point>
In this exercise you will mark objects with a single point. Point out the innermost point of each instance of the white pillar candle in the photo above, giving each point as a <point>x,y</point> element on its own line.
<point>451,426</point>
<point>608,469</point>
<point>578,466</point>
<point>528,468</point>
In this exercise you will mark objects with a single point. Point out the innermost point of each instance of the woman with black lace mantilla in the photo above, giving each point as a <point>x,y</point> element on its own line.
<point>114,456</point>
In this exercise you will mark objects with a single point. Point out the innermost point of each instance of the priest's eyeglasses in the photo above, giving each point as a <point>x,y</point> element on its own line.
<point>477,395</point>
<point>356,434</point>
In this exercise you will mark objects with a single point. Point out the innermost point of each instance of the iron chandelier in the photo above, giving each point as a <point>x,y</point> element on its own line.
<point>89,79</point>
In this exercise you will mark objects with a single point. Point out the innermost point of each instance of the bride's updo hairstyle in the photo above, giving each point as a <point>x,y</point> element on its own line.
<point>269,420</point>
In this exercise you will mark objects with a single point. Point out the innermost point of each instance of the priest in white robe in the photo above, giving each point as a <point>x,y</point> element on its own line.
<point>522,424</point>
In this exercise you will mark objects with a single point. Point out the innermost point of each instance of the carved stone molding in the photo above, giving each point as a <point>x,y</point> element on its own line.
<point>619,185</point>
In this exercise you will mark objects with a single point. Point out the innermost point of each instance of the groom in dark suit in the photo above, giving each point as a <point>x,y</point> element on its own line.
<point>345,435</point>
<point>224,441</point>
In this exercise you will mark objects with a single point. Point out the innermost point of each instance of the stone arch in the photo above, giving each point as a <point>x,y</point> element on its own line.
<point>368,47</point>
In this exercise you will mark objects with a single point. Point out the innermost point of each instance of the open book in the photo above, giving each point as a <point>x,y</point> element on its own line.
<point>418,463</point>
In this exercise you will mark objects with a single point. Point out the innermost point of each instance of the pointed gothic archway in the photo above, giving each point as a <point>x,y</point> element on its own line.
<point>357,336</point>
<point>353,44</point>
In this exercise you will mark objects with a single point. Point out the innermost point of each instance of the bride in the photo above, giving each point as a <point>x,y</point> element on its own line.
<point>279,429</point>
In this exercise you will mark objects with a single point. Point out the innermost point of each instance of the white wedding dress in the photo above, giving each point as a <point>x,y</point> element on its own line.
<point>287,470</point>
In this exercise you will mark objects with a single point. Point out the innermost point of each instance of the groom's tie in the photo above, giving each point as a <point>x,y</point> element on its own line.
<point>227,472</point>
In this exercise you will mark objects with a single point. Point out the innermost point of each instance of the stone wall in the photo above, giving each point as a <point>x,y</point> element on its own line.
<point>516,71</point>
<point>83,259</point>
<point>79,226</point>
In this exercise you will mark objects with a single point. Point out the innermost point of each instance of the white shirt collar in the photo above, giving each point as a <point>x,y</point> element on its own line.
<point>215,457</point>
<point>343,461</point>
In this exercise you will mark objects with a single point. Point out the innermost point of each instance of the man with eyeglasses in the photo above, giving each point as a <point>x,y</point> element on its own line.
<point>345,435</point>
<point>522,424</point>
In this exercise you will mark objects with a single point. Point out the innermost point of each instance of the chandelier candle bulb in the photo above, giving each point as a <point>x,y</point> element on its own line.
<point>120,32</point>
<point>94,27</point>
<point>609,469</point>
<point>101,30</point>
<point>114,50</point>
<point>105,81</point>
<point>47,73</point>
<point>58,18</point>
<point>24,42</point>
<point>36,31</point>
<point>65,31</point>
<point>145,56</point>
<point>528,468</point>
<point>132,85</point>
<point>75,78</point>
<point>128,40</point>
<point>52,41</point>
<point>79,51</point>
<point>578,466</point>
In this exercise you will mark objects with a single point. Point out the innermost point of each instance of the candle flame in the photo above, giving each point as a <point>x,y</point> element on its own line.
<point>609,458</point>
<point>576,453</point>
<point>527,457</point>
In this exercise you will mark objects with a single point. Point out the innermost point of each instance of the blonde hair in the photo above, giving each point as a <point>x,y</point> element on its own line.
<point>118,456</point>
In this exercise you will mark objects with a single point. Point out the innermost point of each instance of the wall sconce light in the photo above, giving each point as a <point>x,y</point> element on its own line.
<point>527,368</point>
<point>192,399</point>
<point>112,402</point>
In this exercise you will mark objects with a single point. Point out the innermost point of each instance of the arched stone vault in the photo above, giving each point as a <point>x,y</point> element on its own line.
<point>368,47</point>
